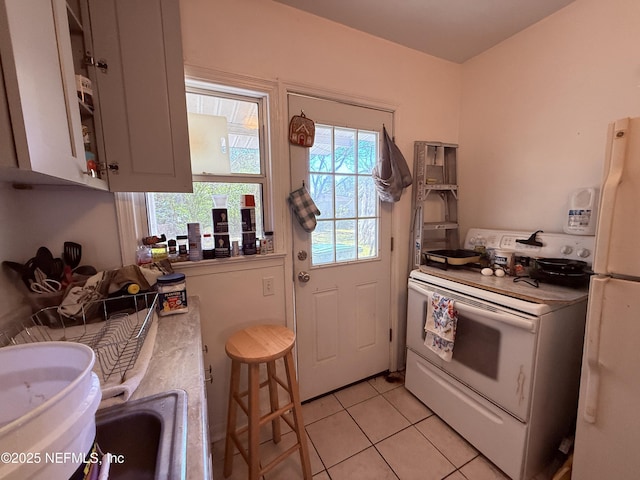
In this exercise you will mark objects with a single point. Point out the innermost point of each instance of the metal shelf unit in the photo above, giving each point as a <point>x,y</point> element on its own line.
<point>435,176</point>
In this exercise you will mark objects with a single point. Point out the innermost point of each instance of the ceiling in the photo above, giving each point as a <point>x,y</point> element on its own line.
<point>454,30</point>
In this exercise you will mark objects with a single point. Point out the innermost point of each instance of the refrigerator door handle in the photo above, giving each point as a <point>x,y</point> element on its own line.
<point>592,348</point>
<point>615,163</point>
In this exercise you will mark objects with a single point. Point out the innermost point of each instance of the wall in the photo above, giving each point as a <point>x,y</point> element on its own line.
<point>535,111</point>
<point>49,216</point>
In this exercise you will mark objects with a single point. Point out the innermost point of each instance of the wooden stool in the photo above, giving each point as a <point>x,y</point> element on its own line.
<point>253,346</point>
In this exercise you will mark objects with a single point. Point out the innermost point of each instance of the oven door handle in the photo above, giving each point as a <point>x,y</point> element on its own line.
<point>500,317</point>
<point>493,315</point>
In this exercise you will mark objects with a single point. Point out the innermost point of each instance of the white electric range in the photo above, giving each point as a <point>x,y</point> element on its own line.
<point>511,387</point>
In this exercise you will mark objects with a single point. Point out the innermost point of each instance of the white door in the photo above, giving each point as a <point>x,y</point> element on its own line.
<point>618,222</point>
<point>608,426</point>
<point>342,269</point>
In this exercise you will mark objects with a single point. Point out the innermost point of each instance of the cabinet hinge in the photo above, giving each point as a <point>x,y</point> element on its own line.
<point>390,335</point>
<point>392,244</point>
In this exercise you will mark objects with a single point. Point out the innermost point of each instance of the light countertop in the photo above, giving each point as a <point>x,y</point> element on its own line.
<point>545,293</point>
<point>177,363</point>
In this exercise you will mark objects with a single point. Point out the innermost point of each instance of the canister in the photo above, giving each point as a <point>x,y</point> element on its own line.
<point>172,294</point>
<point>503,259</point>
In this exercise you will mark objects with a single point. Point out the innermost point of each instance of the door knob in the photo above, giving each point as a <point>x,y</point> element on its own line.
<point>304,277</point>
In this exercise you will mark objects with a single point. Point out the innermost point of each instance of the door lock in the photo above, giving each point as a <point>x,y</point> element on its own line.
<point>302,255</point>
<point>304,277</point>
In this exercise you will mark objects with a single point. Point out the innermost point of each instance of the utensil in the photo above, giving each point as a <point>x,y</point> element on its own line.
<point>72,253</point>
<point>44,261</point>
<point>47,285</point>
<point>57,269</point>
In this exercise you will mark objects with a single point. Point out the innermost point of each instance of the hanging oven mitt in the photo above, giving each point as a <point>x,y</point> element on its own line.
<point>304,208</point>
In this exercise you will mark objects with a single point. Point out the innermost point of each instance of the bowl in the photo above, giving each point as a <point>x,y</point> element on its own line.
<point>49,398</point>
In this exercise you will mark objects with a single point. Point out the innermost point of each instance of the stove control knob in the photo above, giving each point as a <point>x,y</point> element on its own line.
<point>566,250</point>
<point>583,252</point>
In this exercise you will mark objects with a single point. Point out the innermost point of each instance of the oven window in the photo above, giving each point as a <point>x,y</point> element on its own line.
<point>477,346</point>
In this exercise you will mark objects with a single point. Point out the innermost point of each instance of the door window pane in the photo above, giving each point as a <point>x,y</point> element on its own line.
<point>344,147</point>
<point>323,244</point>
<point>367,238</point>
<point>321,190</point>
<point>345,240</point>
<point>345,196</point>
<point>321,154</point>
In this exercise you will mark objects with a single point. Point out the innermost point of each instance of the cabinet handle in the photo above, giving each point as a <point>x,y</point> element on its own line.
<point>205,349</point>
<point>102,65</point>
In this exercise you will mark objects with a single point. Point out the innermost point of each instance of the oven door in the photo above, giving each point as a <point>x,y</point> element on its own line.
<point>494,347</point>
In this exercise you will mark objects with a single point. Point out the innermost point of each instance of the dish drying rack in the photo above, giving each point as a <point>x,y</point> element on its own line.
<point>115,328</point>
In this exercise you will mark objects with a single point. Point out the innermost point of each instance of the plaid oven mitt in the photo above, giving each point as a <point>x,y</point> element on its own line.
<point>304,209</point>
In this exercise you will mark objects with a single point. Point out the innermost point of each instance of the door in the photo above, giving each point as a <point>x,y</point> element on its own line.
<point>618,222</point>
<point>142,94</point>
<point>37,63</point>
<point>608,426</point>
<point>342,269</point>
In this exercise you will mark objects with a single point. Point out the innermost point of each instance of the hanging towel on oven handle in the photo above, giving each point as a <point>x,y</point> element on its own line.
<point>440,326</point>
<point>391,175</point>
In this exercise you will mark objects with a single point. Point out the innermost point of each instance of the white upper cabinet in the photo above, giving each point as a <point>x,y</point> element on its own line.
<point>131,50</point>
<point>137,48</point>
<point>40,87</point>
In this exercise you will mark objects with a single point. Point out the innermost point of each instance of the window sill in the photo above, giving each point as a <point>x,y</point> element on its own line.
<point>230,264</point>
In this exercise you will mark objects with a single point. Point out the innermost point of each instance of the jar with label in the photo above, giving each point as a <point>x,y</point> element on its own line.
<point>268,236</point>
<point>172,294</point>
<point>183,254</point>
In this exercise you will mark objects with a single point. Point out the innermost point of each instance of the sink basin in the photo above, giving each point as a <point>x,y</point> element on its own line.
<point>147,437</point>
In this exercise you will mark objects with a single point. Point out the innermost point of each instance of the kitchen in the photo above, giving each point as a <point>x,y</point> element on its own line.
<point>529,114</point>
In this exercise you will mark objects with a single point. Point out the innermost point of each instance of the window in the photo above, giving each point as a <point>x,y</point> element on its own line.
<point>227,158</point>
<point>340,164</point>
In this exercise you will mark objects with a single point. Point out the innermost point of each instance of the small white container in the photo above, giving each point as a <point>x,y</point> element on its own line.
<point>172,294</point>
<point>503,259</point>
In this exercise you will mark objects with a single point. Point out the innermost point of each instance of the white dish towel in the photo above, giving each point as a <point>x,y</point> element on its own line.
<point>440,326</point>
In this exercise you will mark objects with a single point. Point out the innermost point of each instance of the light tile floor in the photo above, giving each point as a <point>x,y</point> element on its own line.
<point>372,430</point>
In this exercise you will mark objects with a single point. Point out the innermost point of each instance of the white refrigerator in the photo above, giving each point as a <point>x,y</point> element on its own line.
<point>607,444</point>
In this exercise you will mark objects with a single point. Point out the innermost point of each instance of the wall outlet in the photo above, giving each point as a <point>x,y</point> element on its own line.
<point>267,286</point>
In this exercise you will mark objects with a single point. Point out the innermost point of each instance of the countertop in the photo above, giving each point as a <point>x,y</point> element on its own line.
<point>545,293</point>
<point>177,363</point>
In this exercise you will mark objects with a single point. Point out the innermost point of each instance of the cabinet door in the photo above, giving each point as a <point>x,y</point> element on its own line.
<point>142,94</point>
<point>7,148</point>
<point>38,68</point>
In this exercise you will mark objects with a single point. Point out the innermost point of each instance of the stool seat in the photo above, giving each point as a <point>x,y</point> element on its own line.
<point>254,346</point>
<point>260,343</point>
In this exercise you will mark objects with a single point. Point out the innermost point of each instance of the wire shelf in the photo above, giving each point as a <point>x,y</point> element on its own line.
<point>115,328</point>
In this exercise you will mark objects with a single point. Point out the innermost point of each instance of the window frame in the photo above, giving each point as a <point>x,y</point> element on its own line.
<point>131,207</point>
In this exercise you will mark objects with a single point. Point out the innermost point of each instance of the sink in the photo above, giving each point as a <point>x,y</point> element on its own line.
<point>147,437</point>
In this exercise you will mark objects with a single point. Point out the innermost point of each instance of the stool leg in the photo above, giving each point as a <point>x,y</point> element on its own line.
<point>297,415</point>
<point>273,398</point>
<point>254,421</point>
<point>234,386</point>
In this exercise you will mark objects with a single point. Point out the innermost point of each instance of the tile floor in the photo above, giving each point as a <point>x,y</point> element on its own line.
<point>374,430</point>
